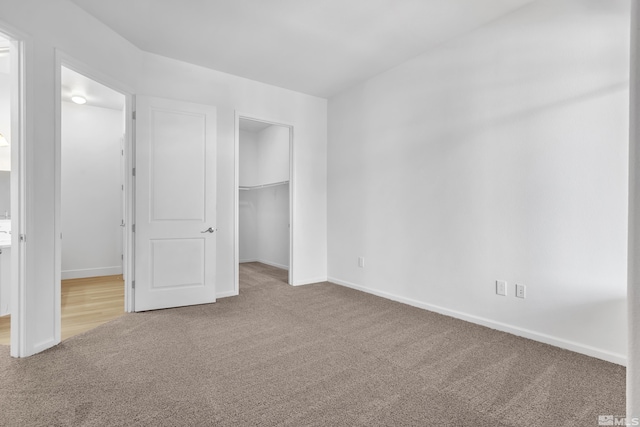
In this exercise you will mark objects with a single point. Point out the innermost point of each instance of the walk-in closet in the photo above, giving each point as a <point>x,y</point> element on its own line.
<point>264,168</point>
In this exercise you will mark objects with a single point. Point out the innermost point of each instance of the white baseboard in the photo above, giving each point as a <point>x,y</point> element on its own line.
<point>226,294</point>
<point>310,281</point>
<point>521,332</point>
<point>91,272</point>
<point>38,348</point>
<point>262,261</point>
<point>274,264</point>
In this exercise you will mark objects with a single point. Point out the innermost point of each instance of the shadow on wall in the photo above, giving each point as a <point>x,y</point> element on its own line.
<point>606,318</point>
<point>462,131</point>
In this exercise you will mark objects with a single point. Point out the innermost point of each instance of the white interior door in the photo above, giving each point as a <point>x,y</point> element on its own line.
<point>175,204</point>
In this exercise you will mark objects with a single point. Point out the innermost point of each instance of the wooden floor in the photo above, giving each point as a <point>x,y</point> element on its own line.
<point>86,303</point>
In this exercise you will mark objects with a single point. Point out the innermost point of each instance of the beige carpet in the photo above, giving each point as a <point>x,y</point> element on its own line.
<point>317,355</point>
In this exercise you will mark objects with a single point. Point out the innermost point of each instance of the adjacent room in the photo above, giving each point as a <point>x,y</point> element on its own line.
<point>336,213</point>
<point>92,203</point>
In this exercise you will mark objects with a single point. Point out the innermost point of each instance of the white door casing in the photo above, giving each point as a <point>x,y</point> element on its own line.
<point>175,182</point>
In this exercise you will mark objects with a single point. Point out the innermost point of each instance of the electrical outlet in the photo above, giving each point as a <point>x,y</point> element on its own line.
<point>521,290</point>
<point>501,287</point>
<point>361,262</point>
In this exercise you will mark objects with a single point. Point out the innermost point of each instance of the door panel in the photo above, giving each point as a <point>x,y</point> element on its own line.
<point>175,204</point>
<point>178,170</point>
<point>177,263</point>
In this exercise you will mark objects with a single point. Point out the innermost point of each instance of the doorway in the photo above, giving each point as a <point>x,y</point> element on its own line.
<point>92,199</point>
<point>264,199</point>
<point>12,193</point>
<point>5,191</point>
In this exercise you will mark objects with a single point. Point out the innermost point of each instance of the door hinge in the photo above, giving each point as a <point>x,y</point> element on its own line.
<point>23,237</point>
<point>133,284</point>
<point>122,257</point>
<point>134,171</point>
<point>133,228</point>
<point>133,114</point>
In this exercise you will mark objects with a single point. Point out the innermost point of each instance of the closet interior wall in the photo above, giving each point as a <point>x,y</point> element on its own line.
<point>264,196</point>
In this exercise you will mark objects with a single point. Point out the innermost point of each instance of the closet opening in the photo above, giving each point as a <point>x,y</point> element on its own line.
<point>92,151</point>
<point>264,201</point>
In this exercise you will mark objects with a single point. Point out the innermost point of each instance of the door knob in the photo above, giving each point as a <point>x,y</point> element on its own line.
<point>208,230</point>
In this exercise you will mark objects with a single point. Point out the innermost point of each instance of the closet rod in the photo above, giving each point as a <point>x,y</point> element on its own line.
<point>255,187</point>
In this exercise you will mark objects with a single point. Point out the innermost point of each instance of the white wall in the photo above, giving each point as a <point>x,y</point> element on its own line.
<point>248,174</point>
<point>91,193</point>
<point>59,24</point>
<point>5,193</point>
<point>248,226</point>
<point>264,226</point>
<point>273,152</point>
<point>5,121</point>
<point>273,226</point>
<point>501,154</point>
<point>5,152</point>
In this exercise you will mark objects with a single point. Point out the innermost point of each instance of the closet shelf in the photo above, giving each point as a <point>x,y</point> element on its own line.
<point>256,187</point>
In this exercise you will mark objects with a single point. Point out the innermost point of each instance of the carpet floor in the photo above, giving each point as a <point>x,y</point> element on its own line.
<point>316,355</point>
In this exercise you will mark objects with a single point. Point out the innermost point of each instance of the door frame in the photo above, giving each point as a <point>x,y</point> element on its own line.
<point>18,176</point>
<point>236,180</point>
<point>67,61</point>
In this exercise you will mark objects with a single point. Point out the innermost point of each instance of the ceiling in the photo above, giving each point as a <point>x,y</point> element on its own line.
<point>96,94</point>
<point>315,47</point>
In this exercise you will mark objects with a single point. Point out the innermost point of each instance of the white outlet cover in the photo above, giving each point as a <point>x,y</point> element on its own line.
<point>501,287</point>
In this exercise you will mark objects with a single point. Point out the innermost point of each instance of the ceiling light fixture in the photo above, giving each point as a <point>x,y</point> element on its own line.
<point>79,99</point>
<point>3,141</point>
